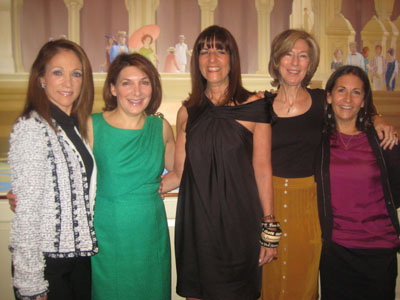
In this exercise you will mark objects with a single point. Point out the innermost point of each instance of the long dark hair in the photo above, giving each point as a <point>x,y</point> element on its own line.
<point>222,39</point>
<point>364,116</point>
<point>36,98</point>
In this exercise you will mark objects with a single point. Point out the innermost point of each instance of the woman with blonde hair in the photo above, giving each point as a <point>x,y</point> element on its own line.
<point>296,134</point>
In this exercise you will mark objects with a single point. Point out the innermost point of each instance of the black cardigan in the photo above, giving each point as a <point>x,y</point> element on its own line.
<point>389,165</point>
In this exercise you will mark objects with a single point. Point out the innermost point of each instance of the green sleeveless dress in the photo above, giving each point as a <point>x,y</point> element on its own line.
<point>134,259</point>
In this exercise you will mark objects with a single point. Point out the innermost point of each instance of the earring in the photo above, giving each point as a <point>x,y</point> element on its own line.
<point>362,113</point>
<point>328,110</point>
<point>43,84</point>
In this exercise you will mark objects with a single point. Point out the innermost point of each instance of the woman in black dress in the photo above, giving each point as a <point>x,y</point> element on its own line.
<point>223,154</point>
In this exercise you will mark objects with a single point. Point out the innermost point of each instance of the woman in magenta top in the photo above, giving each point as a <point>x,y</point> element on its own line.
<point>358,193</point>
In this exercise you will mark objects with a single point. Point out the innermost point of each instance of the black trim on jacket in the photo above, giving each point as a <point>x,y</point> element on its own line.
<point>389,165</point>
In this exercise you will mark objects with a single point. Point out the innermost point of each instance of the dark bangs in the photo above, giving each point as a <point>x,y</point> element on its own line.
<point>216,39</point>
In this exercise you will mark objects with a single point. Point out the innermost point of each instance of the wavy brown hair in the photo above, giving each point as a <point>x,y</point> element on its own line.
<point>36,98</point>
<point>221,38</point>
<point>142,63</point>
<point>282,44</point>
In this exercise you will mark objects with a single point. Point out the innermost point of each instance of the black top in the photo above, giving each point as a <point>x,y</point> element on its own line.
<point>296,139</point>
<point>70,126</point>
<point>218,215</point>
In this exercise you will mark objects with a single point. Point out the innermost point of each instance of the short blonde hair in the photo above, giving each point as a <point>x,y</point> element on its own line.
<point>283,44</point>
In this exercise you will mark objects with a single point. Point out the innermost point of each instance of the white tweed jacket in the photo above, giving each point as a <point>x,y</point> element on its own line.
<point>54,215</point>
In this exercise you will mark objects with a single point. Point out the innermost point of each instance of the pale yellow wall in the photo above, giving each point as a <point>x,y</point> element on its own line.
<point>176,88</point>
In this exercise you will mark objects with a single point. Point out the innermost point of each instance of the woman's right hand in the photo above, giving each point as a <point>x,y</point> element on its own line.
<point>12,200</point>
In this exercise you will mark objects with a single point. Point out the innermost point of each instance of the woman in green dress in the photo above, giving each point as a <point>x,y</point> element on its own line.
<point>131,146</point>
<point>146,50</point>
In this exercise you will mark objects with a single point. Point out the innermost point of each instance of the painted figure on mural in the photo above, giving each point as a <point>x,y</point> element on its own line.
<point>392,70</point>
<point>146,50</point>
<point>110,41</point>
<point>365,52</point>
<point>142,41</point>
<point>120,46</point>
<point>378,69</point>
<point>355,58</point>
<point>171,63</point>
<point>182,52</point>
<point>337,59</point>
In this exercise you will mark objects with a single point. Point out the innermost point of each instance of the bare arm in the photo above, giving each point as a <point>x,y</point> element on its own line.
<point>263,174</point>
<point>90,132</point>
<point>173,178</point>
<point>169,142</point>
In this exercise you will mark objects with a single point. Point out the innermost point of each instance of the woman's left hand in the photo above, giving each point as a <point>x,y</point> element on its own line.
<point>386,133</point>
<point>267,255</point>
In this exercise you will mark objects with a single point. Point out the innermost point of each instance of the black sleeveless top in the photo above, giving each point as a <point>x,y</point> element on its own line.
<point>296,139</point>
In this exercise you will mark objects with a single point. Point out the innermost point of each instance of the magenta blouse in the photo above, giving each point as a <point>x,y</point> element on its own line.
<point>360,218</point>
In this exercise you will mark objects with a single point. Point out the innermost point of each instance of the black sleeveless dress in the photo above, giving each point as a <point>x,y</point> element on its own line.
<point>219,212</point>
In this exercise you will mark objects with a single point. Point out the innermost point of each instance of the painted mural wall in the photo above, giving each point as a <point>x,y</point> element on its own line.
<point>101,20</point>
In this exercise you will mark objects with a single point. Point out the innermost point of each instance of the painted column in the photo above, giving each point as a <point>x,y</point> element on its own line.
<point>264,8</point>
<point>140,13</point>
<point>16,32</point>
<point>302,16</point>
<point>207,8</point>
<point>338,33</point>
<point>384,10</point>
<point>374,33</point>
<point>74,7</point>
<point>6,53</point>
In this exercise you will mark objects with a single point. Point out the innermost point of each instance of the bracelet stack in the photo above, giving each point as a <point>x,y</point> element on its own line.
<point>271,234</point>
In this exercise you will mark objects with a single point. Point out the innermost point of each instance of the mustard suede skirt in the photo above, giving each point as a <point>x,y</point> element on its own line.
<point>294,274</point>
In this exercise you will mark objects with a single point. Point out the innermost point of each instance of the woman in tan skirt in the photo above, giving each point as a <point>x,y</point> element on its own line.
<point>296,135</point>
